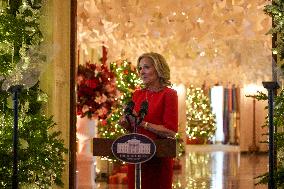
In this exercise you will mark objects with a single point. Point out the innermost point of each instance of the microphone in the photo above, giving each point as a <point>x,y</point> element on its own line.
<point>129,108</point>
<point>143,109</point>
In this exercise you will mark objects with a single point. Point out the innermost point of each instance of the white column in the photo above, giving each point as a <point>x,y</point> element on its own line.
<point>217,101</point>
<point>86,131</point>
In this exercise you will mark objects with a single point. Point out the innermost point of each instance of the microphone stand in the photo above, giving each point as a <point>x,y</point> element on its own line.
<point>15,90</point>
<point>137,121</point>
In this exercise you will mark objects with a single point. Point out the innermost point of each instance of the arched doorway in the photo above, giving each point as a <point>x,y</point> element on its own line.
<point>239,53</point>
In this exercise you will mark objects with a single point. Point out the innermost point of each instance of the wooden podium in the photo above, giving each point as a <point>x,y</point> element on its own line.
<point>164,147</point>
<point>158,148</point>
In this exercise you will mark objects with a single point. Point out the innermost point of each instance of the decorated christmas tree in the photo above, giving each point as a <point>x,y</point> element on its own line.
<point>201,122</point>
<point>127,80</point>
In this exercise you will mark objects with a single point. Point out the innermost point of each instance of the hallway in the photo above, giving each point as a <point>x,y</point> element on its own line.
<point>215,167</point>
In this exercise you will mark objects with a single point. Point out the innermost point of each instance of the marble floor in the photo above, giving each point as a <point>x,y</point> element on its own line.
<point>214,167</point>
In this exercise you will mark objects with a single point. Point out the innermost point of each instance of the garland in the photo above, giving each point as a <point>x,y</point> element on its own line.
<point>19,32</point>
<point>276,11</point>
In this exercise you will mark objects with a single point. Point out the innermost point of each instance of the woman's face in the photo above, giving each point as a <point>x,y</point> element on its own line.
<point>148,72</point>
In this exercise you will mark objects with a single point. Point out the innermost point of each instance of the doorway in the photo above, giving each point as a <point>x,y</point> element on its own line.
<point>195,54</point>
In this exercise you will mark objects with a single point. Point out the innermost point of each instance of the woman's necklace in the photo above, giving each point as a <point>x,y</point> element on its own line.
<point>149,96</point>
<point>155,89</point>
<point>152,92</point>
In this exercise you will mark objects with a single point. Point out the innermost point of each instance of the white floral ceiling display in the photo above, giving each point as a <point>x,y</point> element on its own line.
<point>208,40</point>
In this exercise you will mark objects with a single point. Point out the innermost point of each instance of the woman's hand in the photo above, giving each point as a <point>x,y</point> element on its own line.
<point>158,129</point>
<point>127,122</point>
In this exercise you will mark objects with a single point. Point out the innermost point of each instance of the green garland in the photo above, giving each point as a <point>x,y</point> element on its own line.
<point>278,122</point>
<point>276,11</point>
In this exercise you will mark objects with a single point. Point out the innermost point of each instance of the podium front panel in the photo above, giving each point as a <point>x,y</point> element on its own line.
<point>165,147</point>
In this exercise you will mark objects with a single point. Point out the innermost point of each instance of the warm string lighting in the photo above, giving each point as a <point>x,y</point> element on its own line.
<point>31,133</point>
<point>126,81</point>
<point>27,69</point>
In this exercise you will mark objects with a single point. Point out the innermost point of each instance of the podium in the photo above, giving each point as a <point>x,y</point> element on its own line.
<point>164,147</point>
<point>133,148</point>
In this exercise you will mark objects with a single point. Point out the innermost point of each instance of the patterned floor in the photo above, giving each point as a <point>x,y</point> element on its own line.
<point>214,167</point>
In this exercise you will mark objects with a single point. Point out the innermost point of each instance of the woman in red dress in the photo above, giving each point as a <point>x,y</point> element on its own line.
<point>161,120</point>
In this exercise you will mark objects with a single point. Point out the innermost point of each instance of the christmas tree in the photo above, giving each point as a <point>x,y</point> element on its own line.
<point>127,80</point>
<point>201,122</point>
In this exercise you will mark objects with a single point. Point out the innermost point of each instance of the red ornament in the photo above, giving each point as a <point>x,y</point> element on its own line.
<point>125,72</point>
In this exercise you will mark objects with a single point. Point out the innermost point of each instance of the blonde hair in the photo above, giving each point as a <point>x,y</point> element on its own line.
<point>160,65</point>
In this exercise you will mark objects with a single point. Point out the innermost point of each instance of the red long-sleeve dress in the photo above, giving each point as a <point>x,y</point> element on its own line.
<point>156,173</point>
